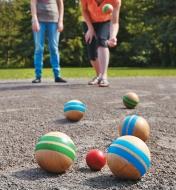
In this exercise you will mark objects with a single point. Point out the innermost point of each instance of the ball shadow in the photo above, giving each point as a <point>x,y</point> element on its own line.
<point>86,170</point>
<point>64,121</point>
<point>107,182</point>
<point>122,108</point>
<point>33,174</point>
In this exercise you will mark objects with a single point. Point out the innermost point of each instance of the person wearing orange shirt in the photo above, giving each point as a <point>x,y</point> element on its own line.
<point>100,33</point>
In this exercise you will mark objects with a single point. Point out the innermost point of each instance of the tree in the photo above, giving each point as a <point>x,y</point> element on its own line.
<point>146,37</point>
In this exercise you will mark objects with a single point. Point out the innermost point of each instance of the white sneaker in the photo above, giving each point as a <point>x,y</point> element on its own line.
<point>104,83</point>
<point>95,80</point>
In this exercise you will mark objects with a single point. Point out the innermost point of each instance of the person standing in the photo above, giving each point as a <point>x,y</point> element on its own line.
<point>47,20</point>
<point>100,33</point>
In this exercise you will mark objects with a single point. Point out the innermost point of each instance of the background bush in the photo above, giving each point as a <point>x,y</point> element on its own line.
<point>147,35</point>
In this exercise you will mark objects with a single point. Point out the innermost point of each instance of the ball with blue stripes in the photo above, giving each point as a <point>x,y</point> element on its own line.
<point>136,126</point>
<point>55,152</point>
<point>74,110</point>
<point>130,100</point>
<point>128,157</point>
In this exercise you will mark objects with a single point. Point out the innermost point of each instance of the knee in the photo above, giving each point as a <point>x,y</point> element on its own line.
<point>53,50</point>
<point>39,49</point>
<point>92,55</point>
<point>102,42</point>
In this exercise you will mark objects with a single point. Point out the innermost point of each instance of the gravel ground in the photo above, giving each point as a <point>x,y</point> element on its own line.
<point>28,111</point>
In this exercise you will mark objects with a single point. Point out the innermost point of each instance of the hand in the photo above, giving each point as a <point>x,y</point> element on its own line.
<point>112,42</point>
<point>35,26</point>
<point>89,35</point>
<point>60,27</point>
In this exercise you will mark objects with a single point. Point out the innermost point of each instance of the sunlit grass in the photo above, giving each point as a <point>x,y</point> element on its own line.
<point>85,72</point>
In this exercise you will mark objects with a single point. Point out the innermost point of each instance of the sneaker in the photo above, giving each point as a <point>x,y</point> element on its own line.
<point>95,80</point>
<point>104,83</point>
<point>59,79</point>
<point>37,80</point>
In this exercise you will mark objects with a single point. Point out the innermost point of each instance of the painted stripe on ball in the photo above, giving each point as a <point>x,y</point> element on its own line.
<point>57,144</point>
<point>74,103</point>
<point>56,147</point>
<point>125,123</point>
<point>129,124</point>
<point>139,153</point>
<point>74,107</point>
<point>58,140</point>
<point>132,123</point>
<point>106,8</point>
<point>130,101</point>
<point>127,156</point>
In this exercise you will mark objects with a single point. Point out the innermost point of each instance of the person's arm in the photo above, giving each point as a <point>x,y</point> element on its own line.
<point>90,32</point>
<point>35,23</point>
<point>61,15</point>
<point>114,29</point>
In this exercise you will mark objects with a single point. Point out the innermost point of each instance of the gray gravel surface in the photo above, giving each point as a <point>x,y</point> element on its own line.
<point>28,111</point>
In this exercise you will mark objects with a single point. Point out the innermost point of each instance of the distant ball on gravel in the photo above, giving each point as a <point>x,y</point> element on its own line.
<point>95,159</point>
<point>107,8</point>
<point>130,100</point>
<point>128,157</point>
<point>136,126</point>
<point>74,110</point>
<point>55,152</point>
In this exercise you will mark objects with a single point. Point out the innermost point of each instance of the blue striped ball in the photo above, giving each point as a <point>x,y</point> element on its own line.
<point>128,157</point>
<point>74,110</point>
<point>136,126</point>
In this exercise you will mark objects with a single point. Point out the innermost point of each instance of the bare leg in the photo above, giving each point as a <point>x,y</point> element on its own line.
<point>95,65</point>
<point>103,58</point>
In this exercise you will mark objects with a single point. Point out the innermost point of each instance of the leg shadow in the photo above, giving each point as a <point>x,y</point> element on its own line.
<point>108,182</point>
<point>33,174</point>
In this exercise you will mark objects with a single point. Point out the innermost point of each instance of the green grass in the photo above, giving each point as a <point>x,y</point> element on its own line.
<point>85,72</point>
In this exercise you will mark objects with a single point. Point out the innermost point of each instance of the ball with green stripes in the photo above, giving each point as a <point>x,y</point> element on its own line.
<point>136,126</point>
<point>130,100</point>
<point>107,8</point>
<point>128,157</point>
<point>55,152</point>
<point>74,110</point>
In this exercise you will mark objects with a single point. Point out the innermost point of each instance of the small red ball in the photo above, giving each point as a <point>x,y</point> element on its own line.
<point>95,159</point>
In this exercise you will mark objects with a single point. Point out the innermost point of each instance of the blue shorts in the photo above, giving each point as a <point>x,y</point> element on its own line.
<point>102,30</point>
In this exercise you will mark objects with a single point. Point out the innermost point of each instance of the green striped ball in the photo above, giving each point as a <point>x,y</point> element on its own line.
<point>55,152</point>
<point>130,100</point>
<point>107,8</point>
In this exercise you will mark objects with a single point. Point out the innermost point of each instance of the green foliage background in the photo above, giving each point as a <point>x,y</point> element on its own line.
<point>147,36</point>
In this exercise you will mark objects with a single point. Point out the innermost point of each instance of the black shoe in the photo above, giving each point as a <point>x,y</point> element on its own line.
<point>37,80</point>
<point>59,79</point>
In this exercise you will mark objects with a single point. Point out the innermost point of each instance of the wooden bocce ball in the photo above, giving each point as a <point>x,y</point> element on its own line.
<point>136,126</point>
<point>74,110</point>
<point>55,152</point>
<point>128,157</point>
<point>130,100</point>
<point>107,8</point>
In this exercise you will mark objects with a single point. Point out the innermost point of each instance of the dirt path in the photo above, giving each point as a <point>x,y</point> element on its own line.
<point>28,111</point>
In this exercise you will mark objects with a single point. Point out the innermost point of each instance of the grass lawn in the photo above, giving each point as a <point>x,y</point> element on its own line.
<point>85,72</point>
